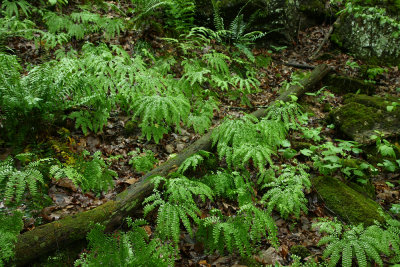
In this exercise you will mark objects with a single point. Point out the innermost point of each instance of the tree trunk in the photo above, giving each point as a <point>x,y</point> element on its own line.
<point>46,238</point>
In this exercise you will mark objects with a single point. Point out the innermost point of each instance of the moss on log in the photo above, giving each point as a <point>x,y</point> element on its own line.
<point>58,234</point>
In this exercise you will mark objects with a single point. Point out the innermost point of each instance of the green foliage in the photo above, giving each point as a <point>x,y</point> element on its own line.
<point>329,158</point>
<point>176,204</point>
<point>245,139</point>
<point>385,148</point>
<point>239,141</point>
<point>10,227</point>
<point>176,16</point>
<point>237,232</point>
<point>193,161</point>
<point>142,162</point>
<point>14,182</point>
<point>14,8</point>
<point>285,192</point>
<point>374,11</point>
<point>231,185</point>
<point>203,112</point>
<point>158,113</point>
<point>362,243</point>
<point>287,112</point>
<point>92,175</point>
<point>132,248</point>
<point>62,28</point>
<point>236,34</point>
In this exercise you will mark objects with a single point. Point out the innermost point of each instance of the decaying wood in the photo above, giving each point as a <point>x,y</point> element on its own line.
<point>58,234</point>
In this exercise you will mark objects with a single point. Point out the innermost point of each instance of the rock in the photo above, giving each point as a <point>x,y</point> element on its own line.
<point>169,148</point>
<point>343,85</point>
<point>180,147</point>
<point>347,203</point>
<point>362,115</point>
<point>269,256</point>
<point>367,38</point>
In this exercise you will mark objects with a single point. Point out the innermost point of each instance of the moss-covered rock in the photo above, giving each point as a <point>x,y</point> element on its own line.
<point>367,189</point>
<point>343,85</point>
<point>345,202</point>
<point>368,38</point>
<point>362,115</point>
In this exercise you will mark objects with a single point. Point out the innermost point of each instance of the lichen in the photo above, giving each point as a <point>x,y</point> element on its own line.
<point>368,39</point>
<point>345,202</point>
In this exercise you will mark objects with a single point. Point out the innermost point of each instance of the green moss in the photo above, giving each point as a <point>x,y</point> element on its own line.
<point>335,38</point>
<point>345,202</point>
<point>373,101</point>
<point>300,251</point>
<point>355,117</point>
<point>344,85</point>
<point>367,189</point>
<point>312,7</point>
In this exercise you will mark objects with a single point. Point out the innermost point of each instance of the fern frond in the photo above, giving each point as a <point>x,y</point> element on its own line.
<point>176,205</point>
<point>10,227</point>
<point>158,113</point>
<point>132,248</point>
<point>286,112</point>
<point>286,192</point>
<point>15,182</point>
<point>193,161</point>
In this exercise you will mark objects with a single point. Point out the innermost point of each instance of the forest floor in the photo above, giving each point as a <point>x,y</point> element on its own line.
<point>116,143</point>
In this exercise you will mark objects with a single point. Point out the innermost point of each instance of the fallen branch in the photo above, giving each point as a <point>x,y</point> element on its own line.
<point>58,234</point>
<point>316,53</point>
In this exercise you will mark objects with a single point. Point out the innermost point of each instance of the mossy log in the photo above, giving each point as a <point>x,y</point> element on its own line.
<point>49,237</point>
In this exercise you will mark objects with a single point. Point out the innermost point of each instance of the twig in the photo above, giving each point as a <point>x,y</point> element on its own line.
<point>314,56</point>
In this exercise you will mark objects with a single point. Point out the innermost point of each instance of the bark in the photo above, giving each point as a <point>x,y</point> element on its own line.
<point>58,234</point>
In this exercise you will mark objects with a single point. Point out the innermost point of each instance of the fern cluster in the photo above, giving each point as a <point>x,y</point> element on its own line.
<point>363,244</point>
<point>132,248</point>
<point>14,182</point>
<point>285,192</point>
<point>92,175</point>
<point>10,227</point>
<point>193,161</point>
<point>157,113</point>
<point>61,28</point>
<point>176,204</point>
<point>238,232</point>
<point>142,163</point>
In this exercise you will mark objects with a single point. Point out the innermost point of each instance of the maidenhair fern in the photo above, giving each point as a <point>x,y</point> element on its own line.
<point>362,244</point>
<point>176,204</point>
<point>238,233</point>
<point>285,193</point>
<point>193,161</point>
<point>142,162</point>
<point>92,175</point>
<point>240,140</point>
<point>287,112</point>
<point>132,248</point>
<point>14,182</point>
<point>201,116</point>
<point>158,113</point>
<point>10,227</point>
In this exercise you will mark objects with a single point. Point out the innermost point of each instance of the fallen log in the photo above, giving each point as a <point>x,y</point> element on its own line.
<point>52,236</point>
